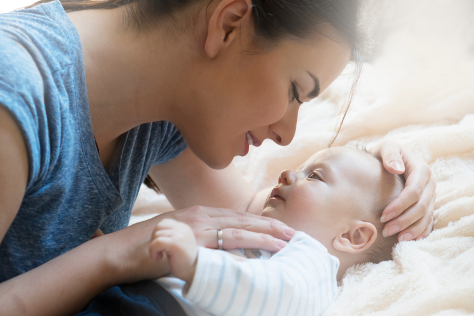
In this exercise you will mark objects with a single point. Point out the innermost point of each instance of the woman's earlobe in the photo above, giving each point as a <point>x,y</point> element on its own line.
<point>358,238</point>
<point>227,17</point>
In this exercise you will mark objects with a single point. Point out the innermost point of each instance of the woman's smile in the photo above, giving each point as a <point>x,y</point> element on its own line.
<point>250,140</point>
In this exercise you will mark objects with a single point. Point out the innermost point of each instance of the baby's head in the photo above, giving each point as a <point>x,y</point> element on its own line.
<point>337,197</point>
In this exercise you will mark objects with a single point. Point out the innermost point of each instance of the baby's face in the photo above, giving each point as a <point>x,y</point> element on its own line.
<point>331,188</point>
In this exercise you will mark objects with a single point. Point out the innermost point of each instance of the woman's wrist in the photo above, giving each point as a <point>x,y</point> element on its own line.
<point>105,267</point>
<point>125,256</point>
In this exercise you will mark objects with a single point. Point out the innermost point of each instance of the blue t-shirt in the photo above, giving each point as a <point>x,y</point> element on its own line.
<point>69,194</point>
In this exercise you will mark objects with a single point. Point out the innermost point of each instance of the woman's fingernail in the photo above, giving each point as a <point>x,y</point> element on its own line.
<point>289,231</point>
<point>280,243</point>
<point>397,165</point>
<point>406,237</point>
<point>387,217</point>
<point>389,231</point>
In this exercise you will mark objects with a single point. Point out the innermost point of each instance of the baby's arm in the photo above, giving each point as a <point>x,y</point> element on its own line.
<point>299,280</point>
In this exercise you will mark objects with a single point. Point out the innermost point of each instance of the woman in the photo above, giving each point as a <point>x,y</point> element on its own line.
<point>86,98</point>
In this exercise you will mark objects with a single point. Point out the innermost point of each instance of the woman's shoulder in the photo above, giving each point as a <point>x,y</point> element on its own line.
<point>42,79</point>
<point>41,39</point>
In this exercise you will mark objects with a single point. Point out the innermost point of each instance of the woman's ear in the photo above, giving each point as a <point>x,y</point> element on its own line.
<point>358,238</point>
<point>225,23</point>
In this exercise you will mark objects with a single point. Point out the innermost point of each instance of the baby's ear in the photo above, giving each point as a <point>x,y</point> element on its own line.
<point>359,237</point>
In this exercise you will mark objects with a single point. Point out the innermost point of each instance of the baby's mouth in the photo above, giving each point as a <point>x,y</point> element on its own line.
<point>276,194</point>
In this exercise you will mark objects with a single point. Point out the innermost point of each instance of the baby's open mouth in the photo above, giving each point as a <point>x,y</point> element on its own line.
<point>276,194</point>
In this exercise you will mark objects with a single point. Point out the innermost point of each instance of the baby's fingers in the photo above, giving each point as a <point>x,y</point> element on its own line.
<point>158,246</point>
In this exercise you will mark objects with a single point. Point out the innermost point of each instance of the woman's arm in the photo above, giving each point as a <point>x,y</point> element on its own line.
<point>13,170</point>
<point>65,284</point>
<point>187,181</point>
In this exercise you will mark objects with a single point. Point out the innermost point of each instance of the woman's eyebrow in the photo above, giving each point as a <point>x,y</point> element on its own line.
<point>315,92</point>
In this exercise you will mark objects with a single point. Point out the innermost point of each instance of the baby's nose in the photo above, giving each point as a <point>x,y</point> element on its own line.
<point>287,177</point>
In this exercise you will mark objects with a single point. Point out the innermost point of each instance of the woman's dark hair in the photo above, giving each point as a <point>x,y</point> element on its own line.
<point>274,20</point>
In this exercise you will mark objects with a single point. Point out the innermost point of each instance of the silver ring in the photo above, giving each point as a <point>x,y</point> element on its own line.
<point>220,241</point>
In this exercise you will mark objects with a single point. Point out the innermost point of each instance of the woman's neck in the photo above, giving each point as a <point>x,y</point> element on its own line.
<point>130,78</point>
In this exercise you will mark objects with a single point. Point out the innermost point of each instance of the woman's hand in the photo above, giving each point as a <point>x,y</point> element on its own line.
<point>411,213</point>
<point>239,229</point>
<point>127,250</point>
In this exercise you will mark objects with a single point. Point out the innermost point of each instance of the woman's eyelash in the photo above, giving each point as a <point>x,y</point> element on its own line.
<point>295,93</point>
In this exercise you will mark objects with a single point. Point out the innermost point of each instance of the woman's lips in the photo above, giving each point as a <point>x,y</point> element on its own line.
<point>252,140</point>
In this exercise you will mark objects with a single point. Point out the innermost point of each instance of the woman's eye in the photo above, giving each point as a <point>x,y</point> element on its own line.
<point>313,175</point>
<point>295,94</point>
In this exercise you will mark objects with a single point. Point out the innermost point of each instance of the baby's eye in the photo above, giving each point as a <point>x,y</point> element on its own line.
<point>313,175</point>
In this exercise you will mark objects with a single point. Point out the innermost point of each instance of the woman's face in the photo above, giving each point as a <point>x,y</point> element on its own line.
<point>240,95</point>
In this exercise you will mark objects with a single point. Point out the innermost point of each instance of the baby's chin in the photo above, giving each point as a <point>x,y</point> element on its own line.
<point>270,212</point>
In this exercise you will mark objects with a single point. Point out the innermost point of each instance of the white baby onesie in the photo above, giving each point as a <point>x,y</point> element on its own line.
<point>298,280</point>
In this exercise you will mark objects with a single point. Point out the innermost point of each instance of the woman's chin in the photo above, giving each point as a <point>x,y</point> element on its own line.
<point>217,161</point>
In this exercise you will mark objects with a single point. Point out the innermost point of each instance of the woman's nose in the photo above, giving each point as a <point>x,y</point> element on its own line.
<point>283,131</point>
<point>287,177</point>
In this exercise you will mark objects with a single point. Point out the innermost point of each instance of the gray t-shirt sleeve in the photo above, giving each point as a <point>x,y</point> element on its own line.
<point>21,94</point>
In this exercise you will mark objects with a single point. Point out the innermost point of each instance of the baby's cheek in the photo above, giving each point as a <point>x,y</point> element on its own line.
<point>305,200</point>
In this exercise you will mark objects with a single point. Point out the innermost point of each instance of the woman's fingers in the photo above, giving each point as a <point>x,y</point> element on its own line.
<point>247,230</point>
<point>419,227</point>
<point>427,231</point>
<point>201,219</point>
<point>223,212</point>
<point>257,225</point>
<point>416,219</point>
<point>392,157</point>
<point>238,238</point>
<point>411,213</point>
<point>418,184</point>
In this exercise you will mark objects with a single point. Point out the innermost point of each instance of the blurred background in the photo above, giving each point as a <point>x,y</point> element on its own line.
<point>9,5</point>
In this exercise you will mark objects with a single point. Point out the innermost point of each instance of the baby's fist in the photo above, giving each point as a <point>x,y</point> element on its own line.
<point>177,240</point>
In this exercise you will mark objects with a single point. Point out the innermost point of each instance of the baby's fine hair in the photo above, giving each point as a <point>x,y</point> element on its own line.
<point>381,250</point>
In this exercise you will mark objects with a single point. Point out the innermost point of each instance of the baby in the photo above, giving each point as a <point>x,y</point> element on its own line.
<point>334,201</point>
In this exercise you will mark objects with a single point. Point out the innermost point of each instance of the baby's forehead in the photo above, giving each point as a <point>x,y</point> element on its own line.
<point>344,159</point>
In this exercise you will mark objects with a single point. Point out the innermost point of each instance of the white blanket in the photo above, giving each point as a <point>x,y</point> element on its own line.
<point>420,93</point>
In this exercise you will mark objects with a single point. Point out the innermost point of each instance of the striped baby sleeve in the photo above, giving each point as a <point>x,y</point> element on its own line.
<point>298,280</point>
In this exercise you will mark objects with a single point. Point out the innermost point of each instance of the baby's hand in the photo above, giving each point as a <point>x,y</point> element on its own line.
<point>177,240</point>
